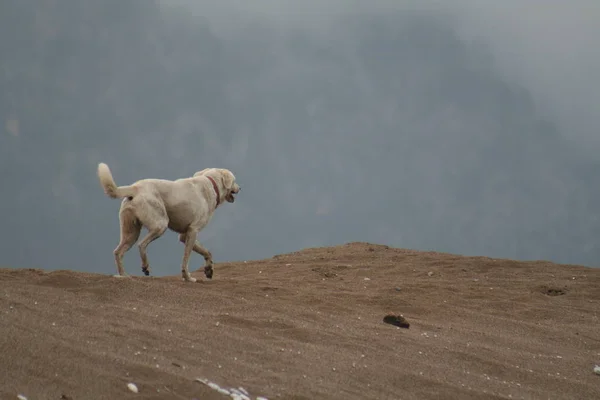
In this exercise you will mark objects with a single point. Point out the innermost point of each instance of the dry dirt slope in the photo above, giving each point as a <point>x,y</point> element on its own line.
<point>307,325</point>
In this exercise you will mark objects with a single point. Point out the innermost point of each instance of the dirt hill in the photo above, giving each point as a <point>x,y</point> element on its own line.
<point>306,325</point>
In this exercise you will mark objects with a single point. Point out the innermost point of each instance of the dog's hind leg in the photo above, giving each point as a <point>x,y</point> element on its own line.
<point>190,242</point>
<point>153,234</point>
<point>198,248</point>
<point>130,232</point>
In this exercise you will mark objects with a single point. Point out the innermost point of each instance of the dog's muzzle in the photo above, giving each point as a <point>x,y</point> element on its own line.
<point>230,196</point>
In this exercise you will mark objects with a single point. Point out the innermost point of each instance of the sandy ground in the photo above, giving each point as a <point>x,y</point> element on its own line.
<point>307,325</point>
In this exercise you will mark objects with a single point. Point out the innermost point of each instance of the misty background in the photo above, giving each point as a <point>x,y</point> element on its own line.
<point>457,126</point>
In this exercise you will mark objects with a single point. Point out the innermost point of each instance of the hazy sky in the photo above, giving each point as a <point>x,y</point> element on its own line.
<point>462,126</point>
<point>549,46</point>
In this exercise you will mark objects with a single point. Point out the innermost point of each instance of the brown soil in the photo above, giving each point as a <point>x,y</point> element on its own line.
<point>307,325</point>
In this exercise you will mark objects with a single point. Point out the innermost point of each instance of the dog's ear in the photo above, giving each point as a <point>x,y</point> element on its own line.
<point>201,172</point>
<point>227,179</point>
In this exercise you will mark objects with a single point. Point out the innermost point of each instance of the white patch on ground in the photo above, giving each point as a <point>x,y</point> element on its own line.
<point>235,393</point>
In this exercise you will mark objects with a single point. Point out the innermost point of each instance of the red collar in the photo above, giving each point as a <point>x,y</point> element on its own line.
<point>216,189</point>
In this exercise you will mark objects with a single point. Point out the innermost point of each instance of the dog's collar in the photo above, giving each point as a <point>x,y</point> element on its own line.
<point>216,189</point>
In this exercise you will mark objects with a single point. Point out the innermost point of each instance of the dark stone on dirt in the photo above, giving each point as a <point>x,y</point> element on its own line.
<point>396,320</point>
<point>553,291</point>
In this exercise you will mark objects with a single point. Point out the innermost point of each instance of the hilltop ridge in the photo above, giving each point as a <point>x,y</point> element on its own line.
<point>307,325</point>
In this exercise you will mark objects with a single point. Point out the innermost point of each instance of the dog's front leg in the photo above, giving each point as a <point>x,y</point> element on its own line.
<point>190,240</point>
<point>198,248</point>
<point>208,266</point>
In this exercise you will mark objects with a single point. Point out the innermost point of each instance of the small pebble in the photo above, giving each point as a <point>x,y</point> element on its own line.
<point>132,387</point>
<point>597,369</point>
<point>21,397</point>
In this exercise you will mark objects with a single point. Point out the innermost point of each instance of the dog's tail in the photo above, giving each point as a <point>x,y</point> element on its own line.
<point>110,187</point>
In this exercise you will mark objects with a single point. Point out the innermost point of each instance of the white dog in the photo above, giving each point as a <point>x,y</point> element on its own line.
<point>185,206</point>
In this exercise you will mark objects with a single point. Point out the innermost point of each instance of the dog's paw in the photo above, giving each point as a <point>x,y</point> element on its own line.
<point>146,271</point>
<point>190,279</point>
<point>208,271</point>
<point>121,276</point>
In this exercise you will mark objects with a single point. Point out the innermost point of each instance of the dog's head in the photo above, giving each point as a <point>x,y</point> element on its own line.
<point>230,185</point>
<point>225,179</point>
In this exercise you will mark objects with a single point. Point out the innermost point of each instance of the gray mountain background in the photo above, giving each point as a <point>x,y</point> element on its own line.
<point>460,126</point>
